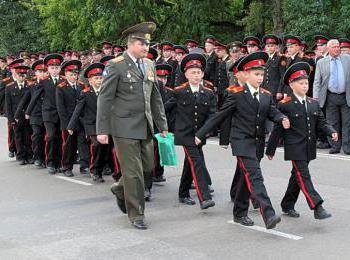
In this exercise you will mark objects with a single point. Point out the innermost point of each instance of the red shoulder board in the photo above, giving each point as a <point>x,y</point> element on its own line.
<point>266,91</point>
<point>86,89</point>
<point>6,79</point>
<point>170,89</point>
<point>208,83</point>
<point>285,100</point>
<point>209,89</point>
<point>182,86</point>
<point>62,84</point>
<point>235,89</point>
<point>45,77</point>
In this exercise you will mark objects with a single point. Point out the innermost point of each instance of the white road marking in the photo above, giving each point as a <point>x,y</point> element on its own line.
<point>74,181</point>
<point>268,231</point>
<point>321,155</point>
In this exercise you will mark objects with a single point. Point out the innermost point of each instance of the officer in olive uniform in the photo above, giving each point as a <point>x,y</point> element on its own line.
<point>194,106</point>
<point>128,105</point>
<point>307,121</point>
<point>248,107</point>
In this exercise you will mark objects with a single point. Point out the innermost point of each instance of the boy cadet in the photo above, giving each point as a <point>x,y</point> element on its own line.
<point>307,120</point>
<point>249,106</point>
<point>195,104</point>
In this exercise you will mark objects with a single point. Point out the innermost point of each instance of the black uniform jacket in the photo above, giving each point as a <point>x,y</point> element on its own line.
<point>300,139</point>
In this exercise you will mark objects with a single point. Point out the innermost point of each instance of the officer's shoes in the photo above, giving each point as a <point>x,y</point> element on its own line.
<point>245,221</point>
<point>271,222</point>
<point>120,202</point>
<point>187,201</point>
<point>11,154</point>
<point>207,204</point>
<point>68,173</point>
<point>140,224</point>
<point>321,213</point>
<point>291,213</point>
<point>159,179</point>
<point>148,195</point>
<point>51,170</point>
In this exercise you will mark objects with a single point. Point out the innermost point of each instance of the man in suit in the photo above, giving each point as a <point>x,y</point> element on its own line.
<point>247,108</point>
<point>128,105</point>
<point>332,89</point>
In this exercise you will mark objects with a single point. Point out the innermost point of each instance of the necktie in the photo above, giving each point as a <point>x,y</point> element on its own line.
<point>54,81</point>
<point>335,74</point>
<point>255,100</point>
<point>139,66</point>
<point>304,106</point>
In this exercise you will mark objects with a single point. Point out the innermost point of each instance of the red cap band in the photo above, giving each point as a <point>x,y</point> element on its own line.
<point>21,70</point>
<point>94,71</point>
<point>39,67</point>
<point>252,42</point>
<point>321,41</point>
<point>292,41</point>
<point>297,74</point>
<point>254,63</point>
<point>271,40</point>
<point>162,72</point>
<point>345,45</point>
<point>167,47</point>
<point>179,51</point>
<point>192,44</point>
<point>193,62</point>
<point>71,67</point>
<point>118,49</point>
<point>107,46</point>
<point>53,62</point>
<point>210,40</point>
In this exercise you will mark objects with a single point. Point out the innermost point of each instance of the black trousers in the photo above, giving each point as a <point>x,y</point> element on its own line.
<point>251,184</point>
<point>11,138</point>
<point>53,144</point>
<point>235,181</point>
<point>38,142</point>
<point>194,170</point>
<point>23,142</point>
<point>338,115</point>
<point>158,170</point>
<point>98,153</point>
<point>300,180</point>
<point>70,145</point>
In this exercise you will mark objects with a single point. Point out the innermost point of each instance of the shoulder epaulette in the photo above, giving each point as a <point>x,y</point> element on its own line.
<point>235,89</point>
<point>208,83</point>
<point>62,84</point>
<point>285,100</point>
<point>6,79</point>
<point>10,84</point>
<point>209,89</point>
<point>118,59</point>
<point>266,91</point>
<point>86,89</point>
<point>182,86</point>
<point>170,89</point>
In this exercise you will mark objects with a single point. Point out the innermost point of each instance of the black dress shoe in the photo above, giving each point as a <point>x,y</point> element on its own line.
<point>30,161</point>
<point>321,213</point>
<point>187,201</point>
<point>84,170</point>
<point>38,163</point>
<point>159,179</point>
<point>291,213</point>
<point>68,173</point>
<point>120,202</point>
<point>148,195</point>
<point>245,221</point>
<point>140,224</point>
<point>51,170</point>
<point>211,190</point>
<point>323,145</point>
<point>207,204</point>
<point>271,222</point>
<point>107,171</point>
<point>97,178</point>
<point>11,154</point>
<point>334,151</point>
<point>22,162</point>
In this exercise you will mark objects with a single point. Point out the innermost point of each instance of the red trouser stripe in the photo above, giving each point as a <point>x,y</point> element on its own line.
<point>302,185</point>
<point>193,171</point>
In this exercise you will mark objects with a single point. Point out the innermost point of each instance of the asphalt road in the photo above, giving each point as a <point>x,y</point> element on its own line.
<point>47,217</point>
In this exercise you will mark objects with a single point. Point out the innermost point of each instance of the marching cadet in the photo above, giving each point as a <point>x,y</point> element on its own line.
<point>67,94</point>
<point>13,95</point>
<point>86,110</point>
<point>221,81</point>
<point>107,48</point>
<point>344,46</point>
<point>212,58</point>
<point>321,43</point>
<point>36,119</point>
<point>248,107</point>
<point>46,90</point>
<point>6,81</point>
<point>195,104</point>
<point>191,44</point>
<point>167,93</point>
<point>179,77</point>
<point>252,43</point>
<point>306,120</point>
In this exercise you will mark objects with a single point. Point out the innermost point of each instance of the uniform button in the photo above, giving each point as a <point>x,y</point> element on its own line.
<point>195,113</point>
<point>309,125</point>
<point>196,119</point>
<point>257,127</point>
<point>257,115</point>
<point>256,138</point>
<point>195,106</point>
<point>309,138</point>
<point>308,118</point>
